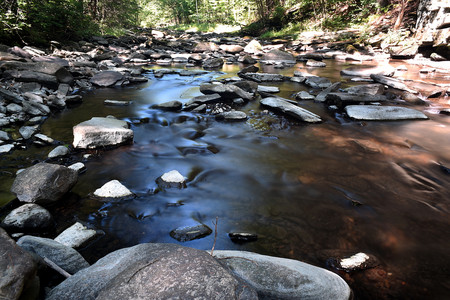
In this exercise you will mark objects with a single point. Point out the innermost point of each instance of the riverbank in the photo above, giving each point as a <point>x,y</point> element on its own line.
<point>110,62</point>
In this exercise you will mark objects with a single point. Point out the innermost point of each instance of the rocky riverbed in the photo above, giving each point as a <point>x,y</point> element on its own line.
<point>38,84</point>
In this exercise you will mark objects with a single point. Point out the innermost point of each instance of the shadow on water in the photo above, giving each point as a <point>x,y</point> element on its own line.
<point>340,186</point>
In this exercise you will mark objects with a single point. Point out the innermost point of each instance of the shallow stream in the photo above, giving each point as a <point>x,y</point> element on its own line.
<point>308,191</point>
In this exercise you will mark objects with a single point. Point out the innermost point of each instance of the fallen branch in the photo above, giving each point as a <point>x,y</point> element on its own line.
<point>57,268</point>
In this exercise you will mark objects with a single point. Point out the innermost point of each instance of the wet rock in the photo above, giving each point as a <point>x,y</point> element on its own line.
<point>27,131</point>
<point>28,218</point>
<point>170,105</point>
<point>205,47</point>
<point>226,91</point>
<point>268,89</point>
<point>43,183</point>
<point>342,99</point>
<point>13,108</point>
<point>260,77</point>
<point>53,69</point>
<point>247,60</point>
<point>172,179</point>
<point>383,113</point>
<point>160,270</point>
<point>35,109</point>
<point>322,96</point>
<point>43,138</point>
<point>74,99</point>
<point>6,148</point>
<point>359,261</point>
<point>65,257</point>
<point>113,189</point>
<point>106,78</point>
<point>249,69</point>
<point>4,136</point>
<point>204,99</point>
<point>213,63</point>
<point>233,115</point>
<point>59,151</point>
<point>315,64</point>
<point>318,82</point>
<point>391,82</point>
<point>297,112</point>
<point>76,236</point>
<point>101,132</point>
<point>253,47</point>
<point>79,167</point>
<point>248,86</point>
<point>437,57</point>
<point>279,56</point>
<point>242,237</point>
<point>116,103</point>
<point>281,278</point>
<point>303,95</point>
<point>231,48</point>
<point>18,270</point>
<point>189,233</point>
<point>403,52</point>
<point>366,72</point>
<point>10,96</point>
<point>370,89</point>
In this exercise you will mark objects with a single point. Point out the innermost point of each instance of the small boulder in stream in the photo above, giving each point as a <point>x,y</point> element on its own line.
<point>226,91</point>
<point>189,233</point>
<point>101,132</point>
<point>43,183</point>
<point>106,78</point>
<point>113,189</point>
<point>28,218</point>
<point>172,179</point>
<point>293,110</point>
<point>383,113</point>
<point>233,115</point>
<point>76,236</point>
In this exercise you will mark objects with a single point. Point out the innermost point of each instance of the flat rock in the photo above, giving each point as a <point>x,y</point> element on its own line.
<point>27,131</point>
<point>6,148</point>
<point>279,56</point>
<point>28,218</point>
<point>76,235</point>
<point>11,96</point>
<point>153,271</point>
<point>311,63</point>
<point>226,91</point>
<point>172,179</point>
<point>322,96</point>
<point>303,95</point>
<point>65,257</point>
<point>242,237</point>
<point>261,77</point>
<point>170,105</point>
<point>268,89</point>
<point>101,132</point>
<point>79,167</point>
<point>392,82</point>
<point>366,72</point>
<point>281,278</point>
<point>371,89</point>
<point>213,63</point>
<point>204,99</point>
<point>43,138</point>
<point>59,151</point>
<point>116,103</point>
<point>43,183</point>
<point>31,76</point>
<point>35,109</point>
<point>342,99</point>
<point>4,136</point>
<point>189,233</point>
<point>106,78</point>
<point>231,116</point>
<point>290,109</point>
<point>231,48</point>
<point>383,113</point>
<point>18,269</point>
<point>317,82</point>
<point>113,189</point>
<point>253,47</point>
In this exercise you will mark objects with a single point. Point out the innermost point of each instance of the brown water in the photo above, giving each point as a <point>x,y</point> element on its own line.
<point>307,190</point>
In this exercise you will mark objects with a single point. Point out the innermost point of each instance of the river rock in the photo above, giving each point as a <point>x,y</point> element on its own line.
<point>35,109</point>
<point>281,278</point>
<point>10,96</point>
<point>101,132</point>
<point>370,89</point>
<point>13,108</point>
<point>392,82</point>
<point>116,103</point>
<point>30,76</point>
<point>366,72</point>
<point>247,60</point>
<point>189,233</point>
<point>279,56</point>
<point>113,189</point>
<point>315,64</point>
<point>231,48</point>
<point>268,89</point>
<point>106,78</point>
<point>18,274</point>
<point>54,69</point>
<point>317,82</point>
<point>170,105</point>
<point>342,99</point>
<point>303,95</point>
<point>43,138</point>
<point>156,271</point>
<point>76,235</point>
<point>322,96</point>
<point>172,179</point>
<point>6,148</point>
<point>226,91</point>
<point>28,218</point>
<point>260,77</point>
<point>213,63</point>
<point>253,47</point>
<point>288,108</point>
<point>65,257</point>
<point>233,115</point>
<point>383,113</point>
<point>79,167</point>
<point>43,183</point>
<point>403,52</point>
<point>205,47</point>
<point>203,99</point>
<point>242,237</point>
<point>59,151</point>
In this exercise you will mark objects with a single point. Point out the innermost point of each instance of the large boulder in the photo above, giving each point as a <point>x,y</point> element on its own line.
<point>55,69</point>
<point>100,132</point>
<point>106,78</point>
<point>295,111</point>
<point>226,91</point>
<point>433,22</point>
<point>153,271</point>
<point>65,257</point>
<point>18,269</point>
<point>43,183</point>
<point>28,218</point>
<point>281,278</point>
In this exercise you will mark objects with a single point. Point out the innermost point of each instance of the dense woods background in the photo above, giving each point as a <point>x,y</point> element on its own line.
<point>38,21</point>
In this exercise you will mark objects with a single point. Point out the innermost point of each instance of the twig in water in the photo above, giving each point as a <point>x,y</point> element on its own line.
<point>215,235</point>
<point>57,268</point>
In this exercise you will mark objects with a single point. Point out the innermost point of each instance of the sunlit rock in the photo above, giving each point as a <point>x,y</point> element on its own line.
<point>172,179</point>
<point>106,78</point>
<point>383,113</point>
<point>189,233</point>
<point>76,235</point>
<point>113,189</point>
<point>59,152</point>
<point>295,111</point>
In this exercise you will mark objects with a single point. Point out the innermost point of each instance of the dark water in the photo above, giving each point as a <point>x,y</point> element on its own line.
<point>307,190</point>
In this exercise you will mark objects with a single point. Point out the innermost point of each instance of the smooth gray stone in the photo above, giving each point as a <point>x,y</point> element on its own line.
<point>59,151</point>
<point>226,91</point>
<point>371,89</point>
<point>35,109</point>
<point>318,82</point>
<point>43,138</point>
<point>391,82</point>
<point>204,99</point>
<point>366,72</point>
<point>113,189</point>
<point>170,105</point>
<point>321,97</point>
<point>303,95</point>
<point>106,78</point>
<point>189,233</point>
<point>311,63</point>
<point>31,76</point>
<point>4,136</point>
<point>27,131</point>
<point>10,96</point>
<point>153,271</point>
<point>281,278</point>
<point>13,108</point>
<point>233,115</point>
<point>6,148</point>
<point>76,236</point>
<point>260,77</point>
<point>291,109</point>
<point>212,63</point>
<point>65,257</point>
<point>116,103</point>
<point>383,113</point>
<point>268,89</point>
<point>28,218</point>
<point>341,99</point>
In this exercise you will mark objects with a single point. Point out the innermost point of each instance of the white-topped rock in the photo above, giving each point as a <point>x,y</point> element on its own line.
<point>113,189</point>
<point>58,152</point>
<point>76,235</point>
<point>172,179</point>
<point>6,148</point>
<point>101,132</point>
<point>79,167</point>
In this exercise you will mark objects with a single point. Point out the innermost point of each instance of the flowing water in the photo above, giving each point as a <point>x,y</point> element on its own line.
<point>308,191</point>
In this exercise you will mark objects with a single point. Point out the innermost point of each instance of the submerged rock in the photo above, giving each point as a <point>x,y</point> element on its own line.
<point>43,183</point>
<point>189,233</point>
<point>101,132</point>
<point>281,278</point>
<point>293,110</point>
<point>383,113</point>
<point>242,237</point>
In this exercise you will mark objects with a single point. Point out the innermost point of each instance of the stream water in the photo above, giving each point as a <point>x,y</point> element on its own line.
<point>308,191</point>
